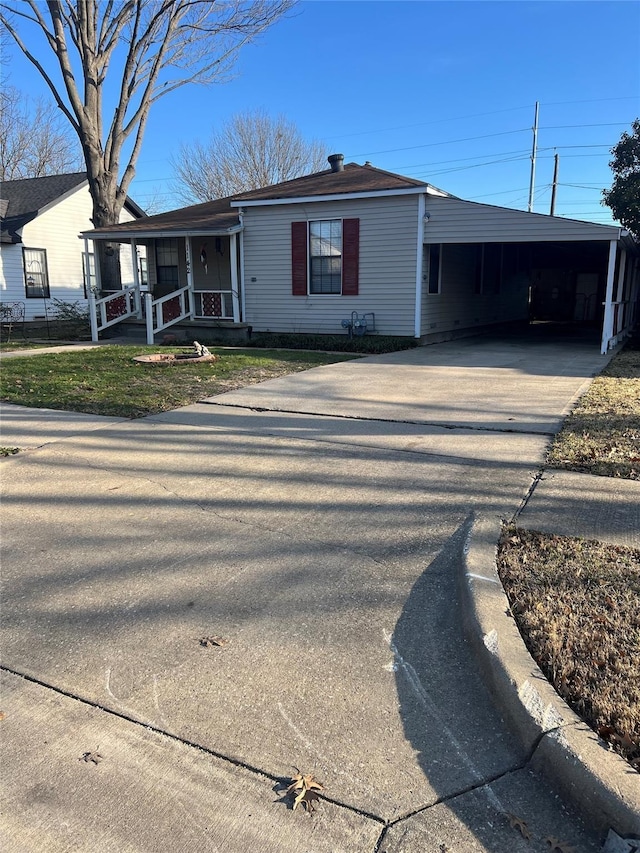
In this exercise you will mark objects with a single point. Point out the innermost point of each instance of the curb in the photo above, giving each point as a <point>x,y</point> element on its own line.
<point>598,782</point>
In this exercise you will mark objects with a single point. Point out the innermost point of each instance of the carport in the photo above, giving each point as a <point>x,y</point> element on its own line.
<point>490,266</point>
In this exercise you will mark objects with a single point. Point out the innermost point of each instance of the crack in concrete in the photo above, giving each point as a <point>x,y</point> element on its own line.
<point>449,426</point>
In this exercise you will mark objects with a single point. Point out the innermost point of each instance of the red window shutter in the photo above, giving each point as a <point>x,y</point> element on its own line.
<point>299,258</point>
<point>350,256</point>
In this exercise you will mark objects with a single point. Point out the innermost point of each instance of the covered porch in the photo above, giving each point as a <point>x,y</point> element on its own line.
<point>180,274</point>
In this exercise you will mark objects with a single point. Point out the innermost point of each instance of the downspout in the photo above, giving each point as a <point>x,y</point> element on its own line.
<point>607,323</point>
<point>419,256</point>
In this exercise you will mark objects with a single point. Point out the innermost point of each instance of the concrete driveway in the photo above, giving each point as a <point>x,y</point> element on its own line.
<point>315,523</point>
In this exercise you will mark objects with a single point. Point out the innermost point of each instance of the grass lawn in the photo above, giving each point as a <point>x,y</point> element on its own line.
<point>106,381</point>
<point>576,605</point>
<point>12,346</point>
<point>602,433</point>
<point>577,602</point>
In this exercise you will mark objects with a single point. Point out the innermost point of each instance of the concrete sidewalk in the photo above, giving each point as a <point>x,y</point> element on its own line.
<point>326,552</point>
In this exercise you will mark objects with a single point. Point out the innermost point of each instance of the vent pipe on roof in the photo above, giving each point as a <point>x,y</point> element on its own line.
<point>336,161</point>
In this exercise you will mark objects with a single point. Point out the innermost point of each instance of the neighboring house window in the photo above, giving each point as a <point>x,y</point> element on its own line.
<point>36,278</point>
<point>89,272</point>
<point>325,257</point>
<point>434,268</point>
<point>167,262</point>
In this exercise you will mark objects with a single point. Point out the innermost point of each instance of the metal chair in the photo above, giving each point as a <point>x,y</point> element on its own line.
<point>11,314</point>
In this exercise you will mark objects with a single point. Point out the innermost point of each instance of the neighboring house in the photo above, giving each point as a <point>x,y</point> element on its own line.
<point>309,254</point>
<point>41,255</point>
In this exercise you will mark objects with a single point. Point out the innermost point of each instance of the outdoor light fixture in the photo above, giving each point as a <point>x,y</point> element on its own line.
<point>426,218</point>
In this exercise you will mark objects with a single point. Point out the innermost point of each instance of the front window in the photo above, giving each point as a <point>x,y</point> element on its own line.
<point>36,279</point>
<point>325,256</point>
<point>167,262</point>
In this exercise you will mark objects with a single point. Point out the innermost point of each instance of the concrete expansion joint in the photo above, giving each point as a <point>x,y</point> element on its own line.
<point>529,493</point>
<point>468,789</point>
<point>336,415</point>
<point>256,771</point>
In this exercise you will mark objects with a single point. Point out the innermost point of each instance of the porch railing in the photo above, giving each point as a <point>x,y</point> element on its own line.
<point>113,309</point>
<point>213,305</point>
<point>164,312</point>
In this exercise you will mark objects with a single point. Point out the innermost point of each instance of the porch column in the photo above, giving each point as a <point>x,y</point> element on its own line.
<point>188,253</point>
<point>243,293</point>
<point>91,294</point>
<point>234,278</point>
<point>136,277</point>
<point>607,323</point>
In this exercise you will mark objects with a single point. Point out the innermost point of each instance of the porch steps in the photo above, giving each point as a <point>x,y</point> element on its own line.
<point>205,331</point>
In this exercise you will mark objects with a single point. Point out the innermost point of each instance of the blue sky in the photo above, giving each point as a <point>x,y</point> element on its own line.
<point>441,91</point>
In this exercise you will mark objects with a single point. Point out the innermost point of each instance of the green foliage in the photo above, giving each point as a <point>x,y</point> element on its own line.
<point>70,311</point>
<point>624,196</point>
<point>332,343</point>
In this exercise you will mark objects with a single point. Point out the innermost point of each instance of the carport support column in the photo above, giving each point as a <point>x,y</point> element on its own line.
<point>607,323</point>
<point>234,278</point>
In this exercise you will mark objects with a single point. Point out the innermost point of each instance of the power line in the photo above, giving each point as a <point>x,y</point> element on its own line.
<point>449,142</point>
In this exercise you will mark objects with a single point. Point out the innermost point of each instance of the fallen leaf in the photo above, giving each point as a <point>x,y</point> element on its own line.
<point>559,846</point>
<point>95,757</point>
<point>207,642</point>
<point>2,715</point>
<point>304,788</point>
<point>517,823</point>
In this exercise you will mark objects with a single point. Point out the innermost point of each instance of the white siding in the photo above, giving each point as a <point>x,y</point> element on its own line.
<point>388,237</point>
<point>56,230</point>
<point>11,279</point>
<point>456,221</point>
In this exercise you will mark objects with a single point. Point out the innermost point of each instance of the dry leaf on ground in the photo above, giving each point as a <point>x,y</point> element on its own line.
<point>304,789</point>
<point>558,846</point>
<point>517,823</point>
<point>94,757</point>
<point>207,642</point>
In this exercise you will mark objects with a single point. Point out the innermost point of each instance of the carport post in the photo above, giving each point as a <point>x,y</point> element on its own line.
<point>607,323</point>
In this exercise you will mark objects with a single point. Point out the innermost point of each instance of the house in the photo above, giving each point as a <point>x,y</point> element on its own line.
<point>358,246</point>
<point>41,255</point>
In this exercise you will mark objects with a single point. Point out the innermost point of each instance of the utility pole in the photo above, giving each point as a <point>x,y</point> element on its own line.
<point>534,152</point>
<point>554,187</point>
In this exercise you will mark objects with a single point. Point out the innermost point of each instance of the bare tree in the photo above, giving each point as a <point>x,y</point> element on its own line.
<point>32,141</point>
<point>251,151</point>
<point>161,46</point>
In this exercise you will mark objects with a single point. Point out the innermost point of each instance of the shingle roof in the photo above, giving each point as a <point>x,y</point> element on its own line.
<point>28,197</point>
<point>207,216</point>
<point>219,215</point>
<point>352,179</point>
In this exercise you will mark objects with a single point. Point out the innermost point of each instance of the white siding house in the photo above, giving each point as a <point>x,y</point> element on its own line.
<point>42,257</point>
<point>309,255</point>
